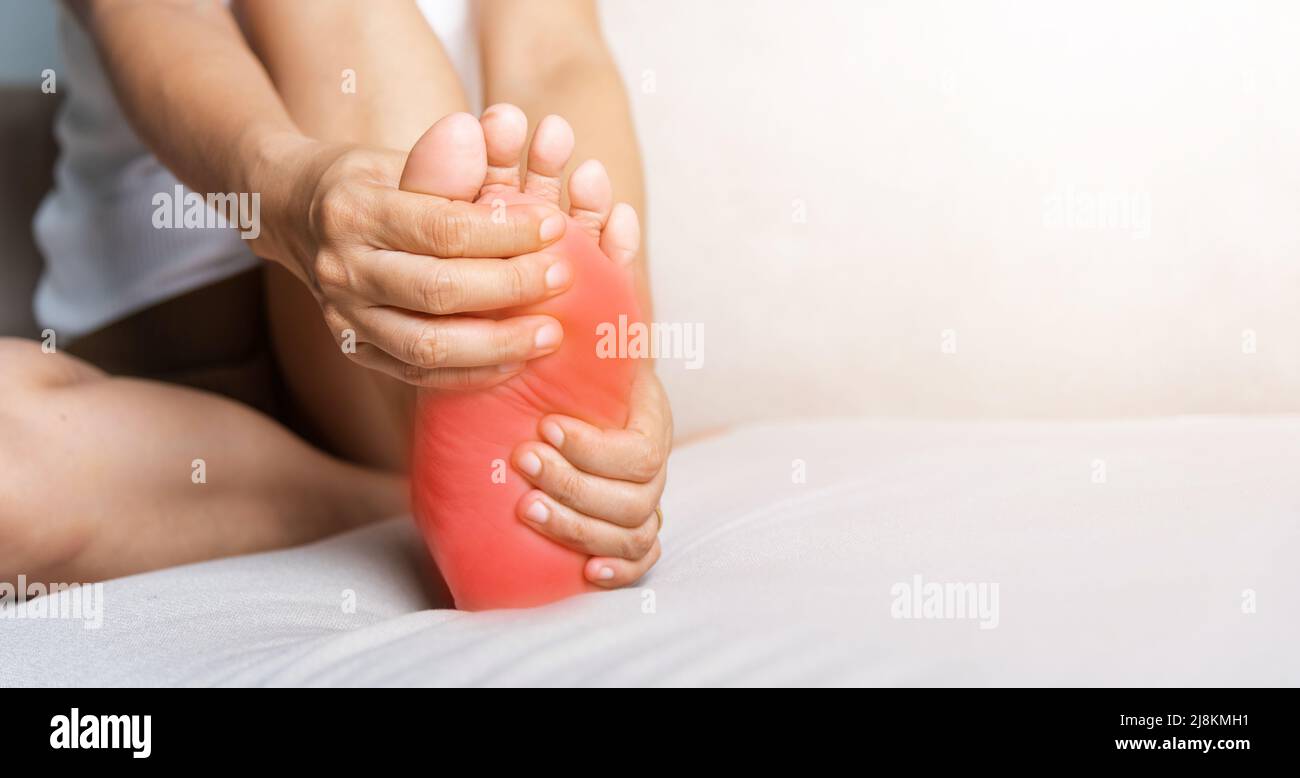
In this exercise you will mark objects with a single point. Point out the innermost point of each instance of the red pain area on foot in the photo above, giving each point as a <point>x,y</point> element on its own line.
<point>466,491</point>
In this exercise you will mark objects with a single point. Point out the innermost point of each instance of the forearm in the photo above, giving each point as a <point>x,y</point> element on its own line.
<point>362,72</point>
<point>554,60</point>
<point>197,96</point>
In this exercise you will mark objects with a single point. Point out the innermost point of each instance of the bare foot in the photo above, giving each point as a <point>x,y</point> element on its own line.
<point>469,501</point>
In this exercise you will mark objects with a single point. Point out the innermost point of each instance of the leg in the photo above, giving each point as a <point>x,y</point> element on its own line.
<point>213,339</point>
<point>404,83</point>
<point>98,475</point>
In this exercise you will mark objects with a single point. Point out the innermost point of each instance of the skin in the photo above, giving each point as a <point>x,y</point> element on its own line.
<point>541,56</point>
<point>107,465</point>
<point>353,253</point>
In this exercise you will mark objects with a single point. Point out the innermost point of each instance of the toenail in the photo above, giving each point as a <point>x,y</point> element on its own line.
<point>537,512</point>
<point>605,573</point>
<point>552,228</point>
<point>553,434</point>
<point>530,463</point>
<point>547,336</point>
<point>557,276</point>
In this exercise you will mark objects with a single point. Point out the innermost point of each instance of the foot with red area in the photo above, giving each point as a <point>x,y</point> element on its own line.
<point>468,495</point>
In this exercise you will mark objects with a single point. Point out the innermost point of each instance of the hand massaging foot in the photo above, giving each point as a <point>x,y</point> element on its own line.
<point>463,440</point>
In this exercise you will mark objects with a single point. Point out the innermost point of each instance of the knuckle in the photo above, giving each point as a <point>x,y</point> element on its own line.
<point>337,209</point>
<point>646,535</point>
<point>635,544</point>
<point>429,349</point>
<point>569,485</point>
<point>648,462</point>
<point>506,343</point>
<point>443,292</point>
<point>332,273</point>
<point>515,281</point>
<point>451,228</point>
<point>577,533</point>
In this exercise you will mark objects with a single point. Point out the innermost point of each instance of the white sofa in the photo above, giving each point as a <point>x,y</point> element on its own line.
<point>1178,568</point>
<point>880,210</point>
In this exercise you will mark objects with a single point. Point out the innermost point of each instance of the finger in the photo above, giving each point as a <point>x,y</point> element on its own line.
<point>457,378</point>
<point>617,502</point>
<point>584,533</point>
<point>420,224</point>
<point>447,286</point>
<point>435,342</point>
<point>621,240</point>
<point>591,195</point>
<point>505,128</point>
<point>550,151</point>
<point>639,452</point>
<point>615,573</point>
<point>627,455</point>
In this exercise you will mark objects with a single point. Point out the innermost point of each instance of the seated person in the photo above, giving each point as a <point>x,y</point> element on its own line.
<point>176,436</point>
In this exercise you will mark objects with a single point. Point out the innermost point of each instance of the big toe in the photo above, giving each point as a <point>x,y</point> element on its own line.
<point>449,160</point>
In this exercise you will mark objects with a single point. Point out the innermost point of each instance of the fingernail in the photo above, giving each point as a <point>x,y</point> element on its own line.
<point>557,276</point>
<point>553,434</point>
<point>530,464</point>
<point>510,368</point>
<point>548,336</point>
<point>605,573</point>
<point>538,512</point>
<point>552,228</point>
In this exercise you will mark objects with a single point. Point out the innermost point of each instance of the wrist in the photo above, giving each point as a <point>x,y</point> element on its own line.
<point>272,164</point>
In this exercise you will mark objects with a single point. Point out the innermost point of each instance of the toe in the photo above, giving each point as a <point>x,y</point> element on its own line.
<point>505,130</point>
<point>621,240</point>
<point>449,160</point>
<point>590,197</point>
<point>549,153</point>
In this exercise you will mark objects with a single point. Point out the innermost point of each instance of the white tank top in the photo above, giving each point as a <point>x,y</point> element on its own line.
<point>104,259</point>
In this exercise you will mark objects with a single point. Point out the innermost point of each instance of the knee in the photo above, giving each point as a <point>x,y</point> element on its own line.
<point>25,365</point>
<point>17,354</point>
<point>27,375</point>
<point>22,375</point>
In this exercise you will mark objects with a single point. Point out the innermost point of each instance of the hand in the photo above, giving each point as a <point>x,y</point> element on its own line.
<point>390,272</point>
<point>598,489</point>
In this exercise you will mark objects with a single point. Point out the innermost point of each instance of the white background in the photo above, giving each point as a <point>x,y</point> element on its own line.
<point>926,140</point>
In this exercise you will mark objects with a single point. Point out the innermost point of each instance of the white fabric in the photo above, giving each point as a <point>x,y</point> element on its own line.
<point>1137,580</point>
<point>103,258</point>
